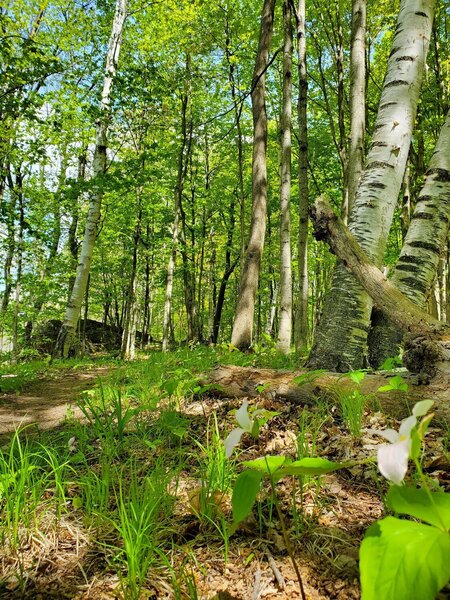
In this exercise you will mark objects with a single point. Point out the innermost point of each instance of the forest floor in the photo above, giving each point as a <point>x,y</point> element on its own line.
<point>133,501</point>
<point>46,401</point>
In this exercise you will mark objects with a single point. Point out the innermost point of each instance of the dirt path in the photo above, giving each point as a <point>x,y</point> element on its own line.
<point>45,402</point>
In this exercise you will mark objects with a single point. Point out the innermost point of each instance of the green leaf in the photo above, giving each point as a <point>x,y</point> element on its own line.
<point>77,502</point>
<point>308,377</point>
<point>244,495</point>
<point>266,464</point>
<point>403,560</point>
<point>417,503</point>
<point>395,383</point>
<point>357,376</point>
<point>312,466</point>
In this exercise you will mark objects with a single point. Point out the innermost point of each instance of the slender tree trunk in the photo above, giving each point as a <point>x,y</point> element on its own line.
<point>72,242</point>
<point>301,317</point>
<point>11,243</point>
<point>18,190</point>
<point>339,59</point>
<point>240,148</point>
<point>424,244</point>
<point>187,258</point>
<point>67,333</point>
<point>357,101</point>
<point>285,328</point>
<point>130,321</point>
<point>341,336</point>
<point>243,322</point>
<point>181,174</point>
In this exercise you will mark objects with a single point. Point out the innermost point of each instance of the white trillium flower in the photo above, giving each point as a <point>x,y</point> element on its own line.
<point>393,457</point>
<point>245,426</point>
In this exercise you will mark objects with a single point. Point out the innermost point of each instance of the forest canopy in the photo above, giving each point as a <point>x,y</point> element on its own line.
<point>158,161</point>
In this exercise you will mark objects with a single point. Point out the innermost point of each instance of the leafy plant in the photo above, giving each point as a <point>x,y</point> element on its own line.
<point>406,559</point>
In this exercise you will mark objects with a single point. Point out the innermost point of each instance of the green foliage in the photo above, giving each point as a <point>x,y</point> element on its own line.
<point>403,560</point>
<point>395,383</point>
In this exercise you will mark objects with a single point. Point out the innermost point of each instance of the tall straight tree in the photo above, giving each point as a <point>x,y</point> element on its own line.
<point>301,317</point>
<point>341,336</point>
<point>357,101</point>
<point>424,244</point>
<point>243,322</point>
<point>67,332</point>
<point>285,327</point>
<point>183,159</point>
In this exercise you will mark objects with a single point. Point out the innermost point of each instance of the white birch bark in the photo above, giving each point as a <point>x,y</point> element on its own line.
<point>341,336</point>
<point>301,317</point>
<point>243,322</point>
<point>415,270</point>
<point>285,327</point>
<point>67,333</point>
<point>357,100</point>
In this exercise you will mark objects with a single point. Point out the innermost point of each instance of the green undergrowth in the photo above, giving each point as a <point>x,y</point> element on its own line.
<point>143,482</point>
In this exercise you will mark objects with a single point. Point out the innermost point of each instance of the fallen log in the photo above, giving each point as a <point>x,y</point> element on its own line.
<point>427,340</point>
<point>307,388</point>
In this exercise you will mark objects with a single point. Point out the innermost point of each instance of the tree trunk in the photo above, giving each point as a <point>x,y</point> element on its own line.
<point>301,315</point>
<point>181,174</point>
<point>129,327</point>
<point>66,336</point>
<point>18,191</point>
<point>72,242</point>
<point>230,381</point>
<point>11,243</point>
<point>285,328</point>
<point>240,148</point>
<point>357,99</point>
<point>425,241</point>
<point>243,322</point>
<point>341,336</point>
<point>427,343</point>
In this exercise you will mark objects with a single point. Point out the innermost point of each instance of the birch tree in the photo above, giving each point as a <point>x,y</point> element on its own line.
<point>285,327</point>
<point>301,318</point>
<point>422,249</point>
<point>341,336</point>
<point>357,101</point>
<point>243,322</point>
<point>66,335</point>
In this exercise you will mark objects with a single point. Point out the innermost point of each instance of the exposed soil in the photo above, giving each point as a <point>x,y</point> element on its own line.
<point>46,402</point>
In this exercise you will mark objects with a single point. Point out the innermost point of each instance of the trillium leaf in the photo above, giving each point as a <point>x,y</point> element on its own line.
<point>244,495</point>
<point>267,465</point>
<point>417,503</point>
<point>403,560</point>
<point>312,466</point>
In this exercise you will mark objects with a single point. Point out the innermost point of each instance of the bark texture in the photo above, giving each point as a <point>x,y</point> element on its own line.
<point>243,322</point>
<point>301,316</point>
<point>357,99</point>
<point>341,336</point>
<point>422,249</point>
<point>229,381</point>
<point>427,340</point>
<point>285,326</point>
